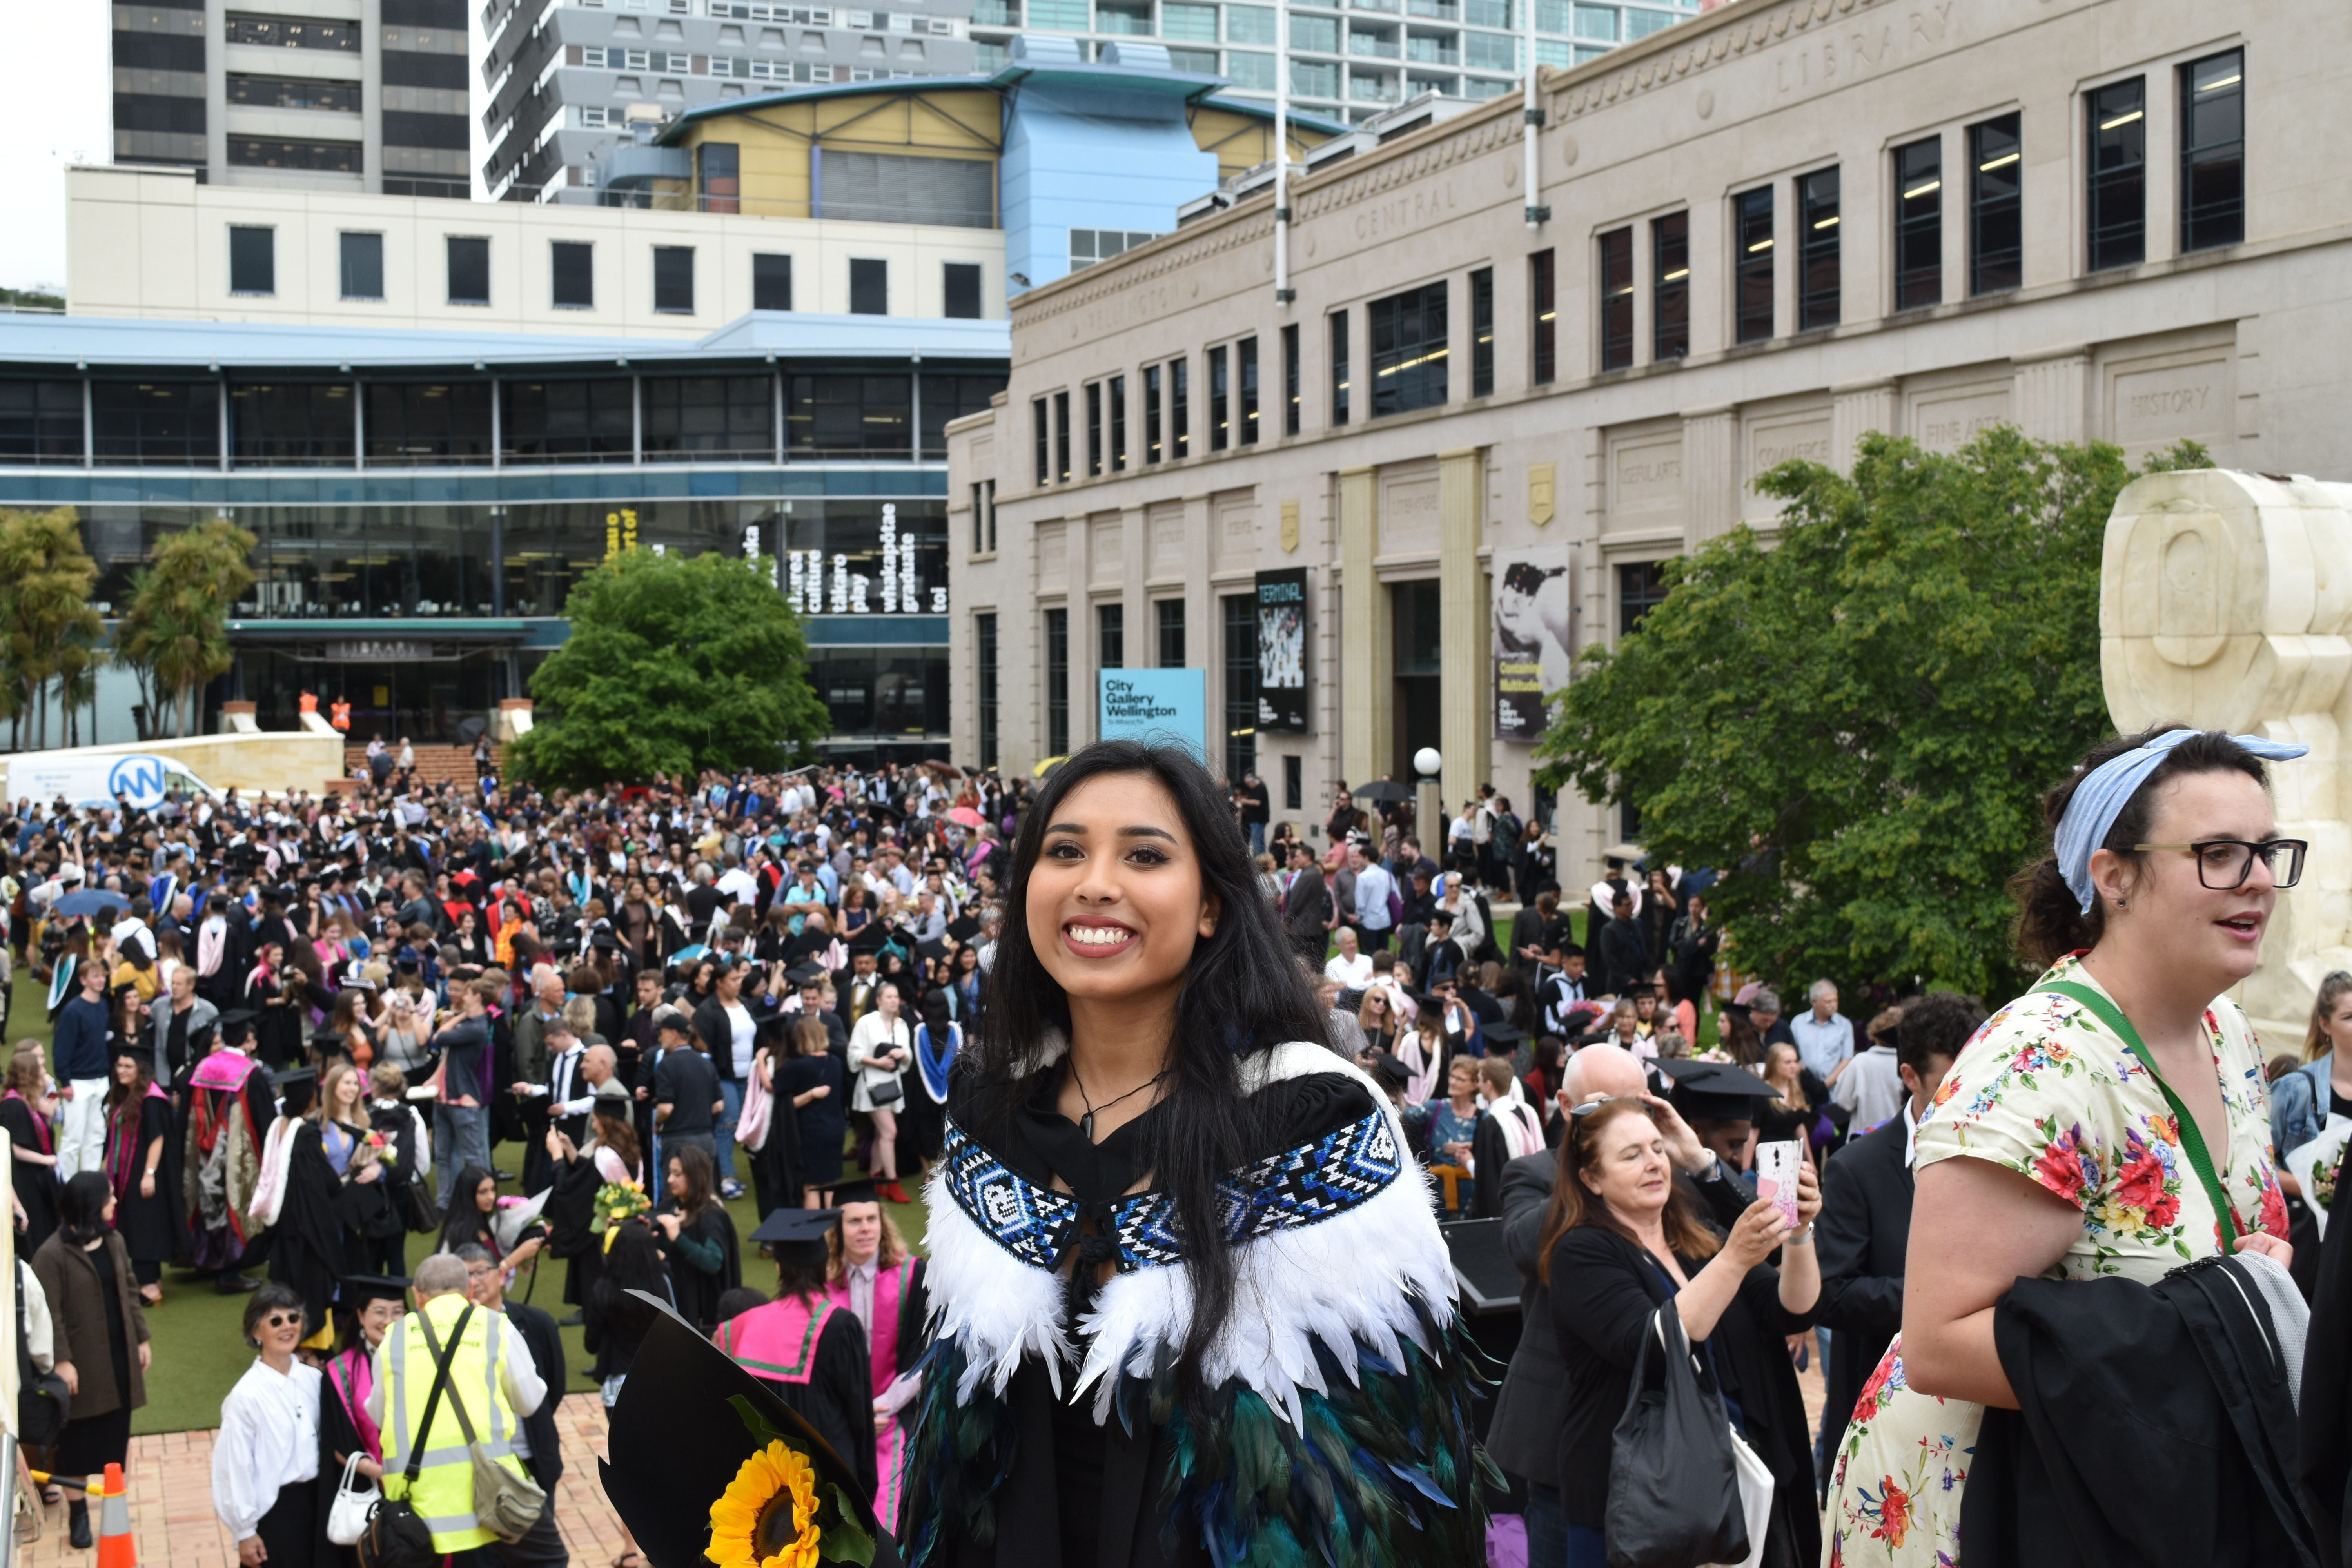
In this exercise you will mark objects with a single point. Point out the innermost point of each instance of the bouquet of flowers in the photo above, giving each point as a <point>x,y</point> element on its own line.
<point>617,1201</point>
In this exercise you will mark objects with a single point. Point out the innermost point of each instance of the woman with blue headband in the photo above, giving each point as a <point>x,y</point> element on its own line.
<point>2112,1123</point>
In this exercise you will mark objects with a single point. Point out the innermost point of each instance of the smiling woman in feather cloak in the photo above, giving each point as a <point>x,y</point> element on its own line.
<point>1189,1297</point>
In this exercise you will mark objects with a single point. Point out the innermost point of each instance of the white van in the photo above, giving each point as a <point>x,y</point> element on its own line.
<point>140,778</point>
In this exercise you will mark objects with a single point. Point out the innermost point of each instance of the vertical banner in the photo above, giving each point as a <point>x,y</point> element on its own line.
<point>1156,705</point>
<point>1282,652</point>
<point>1535,637</point>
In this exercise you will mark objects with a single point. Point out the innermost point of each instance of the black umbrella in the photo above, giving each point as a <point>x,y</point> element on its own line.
<point>1381,790</point>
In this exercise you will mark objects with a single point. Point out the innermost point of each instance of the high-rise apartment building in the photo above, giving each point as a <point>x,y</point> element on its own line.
<point>1348,58</point>
<point>565,81</point>
<point>359,96</point>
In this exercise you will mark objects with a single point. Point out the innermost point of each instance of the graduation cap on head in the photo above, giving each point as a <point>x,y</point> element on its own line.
<point>358,1290</point>
<point>1716,1089</point>
<point>861,1191</point>
<point>137,1052</point>
<point>235,1025</point>
<point>806,975</point>
<point>1503,1035</point>
<point>870,938</point>
<point>296,1088</point>
<point>1390,1072</point>
<point>796,1236</point>
<point>702,1455</point>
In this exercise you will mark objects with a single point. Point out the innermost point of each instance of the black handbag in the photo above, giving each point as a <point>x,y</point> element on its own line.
<point>1674,1484</point>
<point>396,1536</point>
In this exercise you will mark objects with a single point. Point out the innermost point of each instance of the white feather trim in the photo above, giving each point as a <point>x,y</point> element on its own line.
<point>995,1306</point>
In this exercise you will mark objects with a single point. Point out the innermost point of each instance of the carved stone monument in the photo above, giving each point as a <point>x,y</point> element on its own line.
<point>2225,601</point>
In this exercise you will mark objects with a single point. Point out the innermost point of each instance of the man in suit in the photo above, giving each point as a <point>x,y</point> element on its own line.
<point>536,1443</point>
<point>1306,907</point>
<point>1865,1227</point>
<point>1523,1436</point>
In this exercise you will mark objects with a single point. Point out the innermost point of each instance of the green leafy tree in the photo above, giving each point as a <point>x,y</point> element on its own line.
<point>174,631</point>
<point>48,633</point>
<point>673,664</point>
<point>1855,722</point>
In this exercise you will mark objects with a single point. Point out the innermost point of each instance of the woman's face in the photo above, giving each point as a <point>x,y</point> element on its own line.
<point>1781,1064</point>
<point>886,1001</point>
<point>1116,902</point>
<point>347,1092</point>
<point>676,1180</point>
<point>486,1194</point>
<point>1462,1078</point>
<point>279,1330</point>
<point>376,1317</point>
<point>1629,1170</point>
<point>1628,1024</point>
<point>2338,1024</point>
<point>126,1071</point>
<point>2215,933</point>
<point>861,1231</point>
<point>1645,1005</point>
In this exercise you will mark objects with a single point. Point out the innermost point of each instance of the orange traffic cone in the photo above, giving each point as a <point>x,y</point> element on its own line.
<point>116,1547</point>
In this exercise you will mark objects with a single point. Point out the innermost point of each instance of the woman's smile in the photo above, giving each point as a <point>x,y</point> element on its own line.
<point>1096,938</point>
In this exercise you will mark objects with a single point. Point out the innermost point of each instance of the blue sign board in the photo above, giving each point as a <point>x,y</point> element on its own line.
<point>1156,705</point>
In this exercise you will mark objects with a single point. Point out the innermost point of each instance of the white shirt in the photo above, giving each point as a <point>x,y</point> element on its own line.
<point>1353,975</point>
<point>269,1440</point>
<point>746,1034</point>
<point>1870,1088</point>
<point>740,886</point>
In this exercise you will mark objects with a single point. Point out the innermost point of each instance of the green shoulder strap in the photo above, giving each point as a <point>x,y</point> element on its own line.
<point>2191,1140</point>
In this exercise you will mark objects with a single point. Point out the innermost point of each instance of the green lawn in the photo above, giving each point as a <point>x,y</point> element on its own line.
<point>198,1352</point>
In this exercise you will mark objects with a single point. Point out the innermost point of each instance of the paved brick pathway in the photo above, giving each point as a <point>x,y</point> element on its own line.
<point>171,1477</point>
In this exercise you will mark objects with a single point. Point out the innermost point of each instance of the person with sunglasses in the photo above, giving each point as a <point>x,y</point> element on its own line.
<point>2108,1126</point>
<point>266,1458</point>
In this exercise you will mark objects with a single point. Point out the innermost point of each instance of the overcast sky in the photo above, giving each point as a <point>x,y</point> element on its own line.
<point>62,112</point>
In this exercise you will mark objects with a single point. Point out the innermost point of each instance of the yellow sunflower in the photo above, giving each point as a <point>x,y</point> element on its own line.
<point>767,1516</point>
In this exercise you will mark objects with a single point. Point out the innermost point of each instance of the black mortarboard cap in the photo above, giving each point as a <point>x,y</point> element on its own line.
<point>358,1290</point>
<point>806,975</point>
<point>1389,1070</point>
<point>1718,1090</point>
<point>861,1191</point>
<point>1500,1033</point>
<point>796,1236</point>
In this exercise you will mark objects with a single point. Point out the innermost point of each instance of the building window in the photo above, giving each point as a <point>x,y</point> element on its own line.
<point>1171,614</point>
<point>414,423</point>
<point>1482,333</point>
<point>286,32</point>
<point>1057,681</point>
<point>293,92</point>
<point>948,398</point>
<point>850,412</point>
<point>1617,299</point>
<point>41,421</point>
<point>979,521</point>
<point>1117,395</point>
<point>772,282</point>
<point>1752,265</point>
<point>960,290</point>
<point>1290,379</point>
<point>1294,782</point>
<point>1062,434</point>
<point>252,261</point>
<point>1919,225</point>
<point>468,262</point>
<point>290,424</point>
<point>869,286</point>
<point>983,628</point>
<point>155,423</point>
<point>1819,286</point>
<point>2118,214</point>
<point>362,256</point>
<point>1111,637</point>
<point>1151,414</point>
<point>1093,394</point>
<point>718,177</point>
<point>1240,684</point>
<point>1089,246</point>
<point>1543,367</point>
<point>1220,401</point>
<point>590,420</point>
<point>1409,348</point>
<point>1670,291</point>
<point>1179,405</point>
<point>279,152</point>
<point>1338,320</point>
<point>688,418</point>
<point>674,279</point>
<point>572,264</point>
<point>1044,443</point>
<point>1996,221</point>
<point>2213,151</point>
<point>1641,588</point>
<point>1245,377</point>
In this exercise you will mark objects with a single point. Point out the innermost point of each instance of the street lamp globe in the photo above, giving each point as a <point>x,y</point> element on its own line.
<point>1428,761</point>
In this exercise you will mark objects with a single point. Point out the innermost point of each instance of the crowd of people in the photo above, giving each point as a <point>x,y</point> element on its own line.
<point>1101,1021</point>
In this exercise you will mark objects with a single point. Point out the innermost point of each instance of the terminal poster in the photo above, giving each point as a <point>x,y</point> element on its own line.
<point>1156,705</point>
<point>1535,636</point>
<point>1282,652</point>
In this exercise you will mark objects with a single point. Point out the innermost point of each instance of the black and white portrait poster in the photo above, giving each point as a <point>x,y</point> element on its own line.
<point>1282,651</point>
<point>1535,636</point>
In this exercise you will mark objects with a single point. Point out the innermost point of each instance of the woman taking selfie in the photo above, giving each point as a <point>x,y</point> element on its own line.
<point>1148,1047</point>
<point>2056,1150</point>
<point>1621,1240</point>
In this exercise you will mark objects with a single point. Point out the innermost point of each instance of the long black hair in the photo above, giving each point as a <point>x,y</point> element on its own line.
<point>81,1208</point>
<point>1243,994</point>
<point>465,1220</point>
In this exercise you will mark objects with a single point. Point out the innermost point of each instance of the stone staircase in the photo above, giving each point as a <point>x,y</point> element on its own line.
<point>436,766</point>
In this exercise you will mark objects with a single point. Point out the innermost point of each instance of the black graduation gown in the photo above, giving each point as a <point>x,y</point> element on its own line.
<point>776,1164</point>
<point>838,1397</point>
<point>338,1441</point>
<point>307,1250</point>
<point>36,1184</point>
<point>150,1226</point>
<point>697,1293</point>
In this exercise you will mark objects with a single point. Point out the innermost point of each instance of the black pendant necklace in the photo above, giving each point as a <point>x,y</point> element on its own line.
<point>1086,1122</point>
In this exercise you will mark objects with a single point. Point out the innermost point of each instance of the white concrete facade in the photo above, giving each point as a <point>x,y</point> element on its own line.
<point>153,242</point>
<point>2241,345</point>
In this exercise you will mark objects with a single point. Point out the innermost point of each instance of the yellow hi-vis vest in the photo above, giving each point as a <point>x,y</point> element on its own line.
<point>444,1494</point>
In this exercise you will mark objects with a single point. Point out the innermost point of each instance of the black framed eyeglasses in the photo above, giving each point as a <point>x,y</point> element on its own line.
<point>2224,864</point>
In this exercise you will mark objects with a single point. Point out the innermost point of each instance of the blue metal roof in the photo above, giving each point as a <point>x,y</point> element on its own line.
<point>140,343</point>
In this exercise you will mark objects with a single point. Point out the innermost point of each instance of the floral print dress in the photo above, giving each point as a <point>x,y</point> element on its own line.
<point>2047,1091</point>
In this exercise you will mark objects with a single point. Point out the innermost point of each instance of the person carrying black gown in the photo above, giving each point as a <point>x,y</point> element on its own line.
<point>775,1164</point>
<point>98,1334</point>
<point>371,1304</point>
<point>310,1247</point>
<point>146,1188</point>
<point>812,1089</point>
<point>809,1350</point>
<point>697,1239</point>
<point>25,1108</point>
